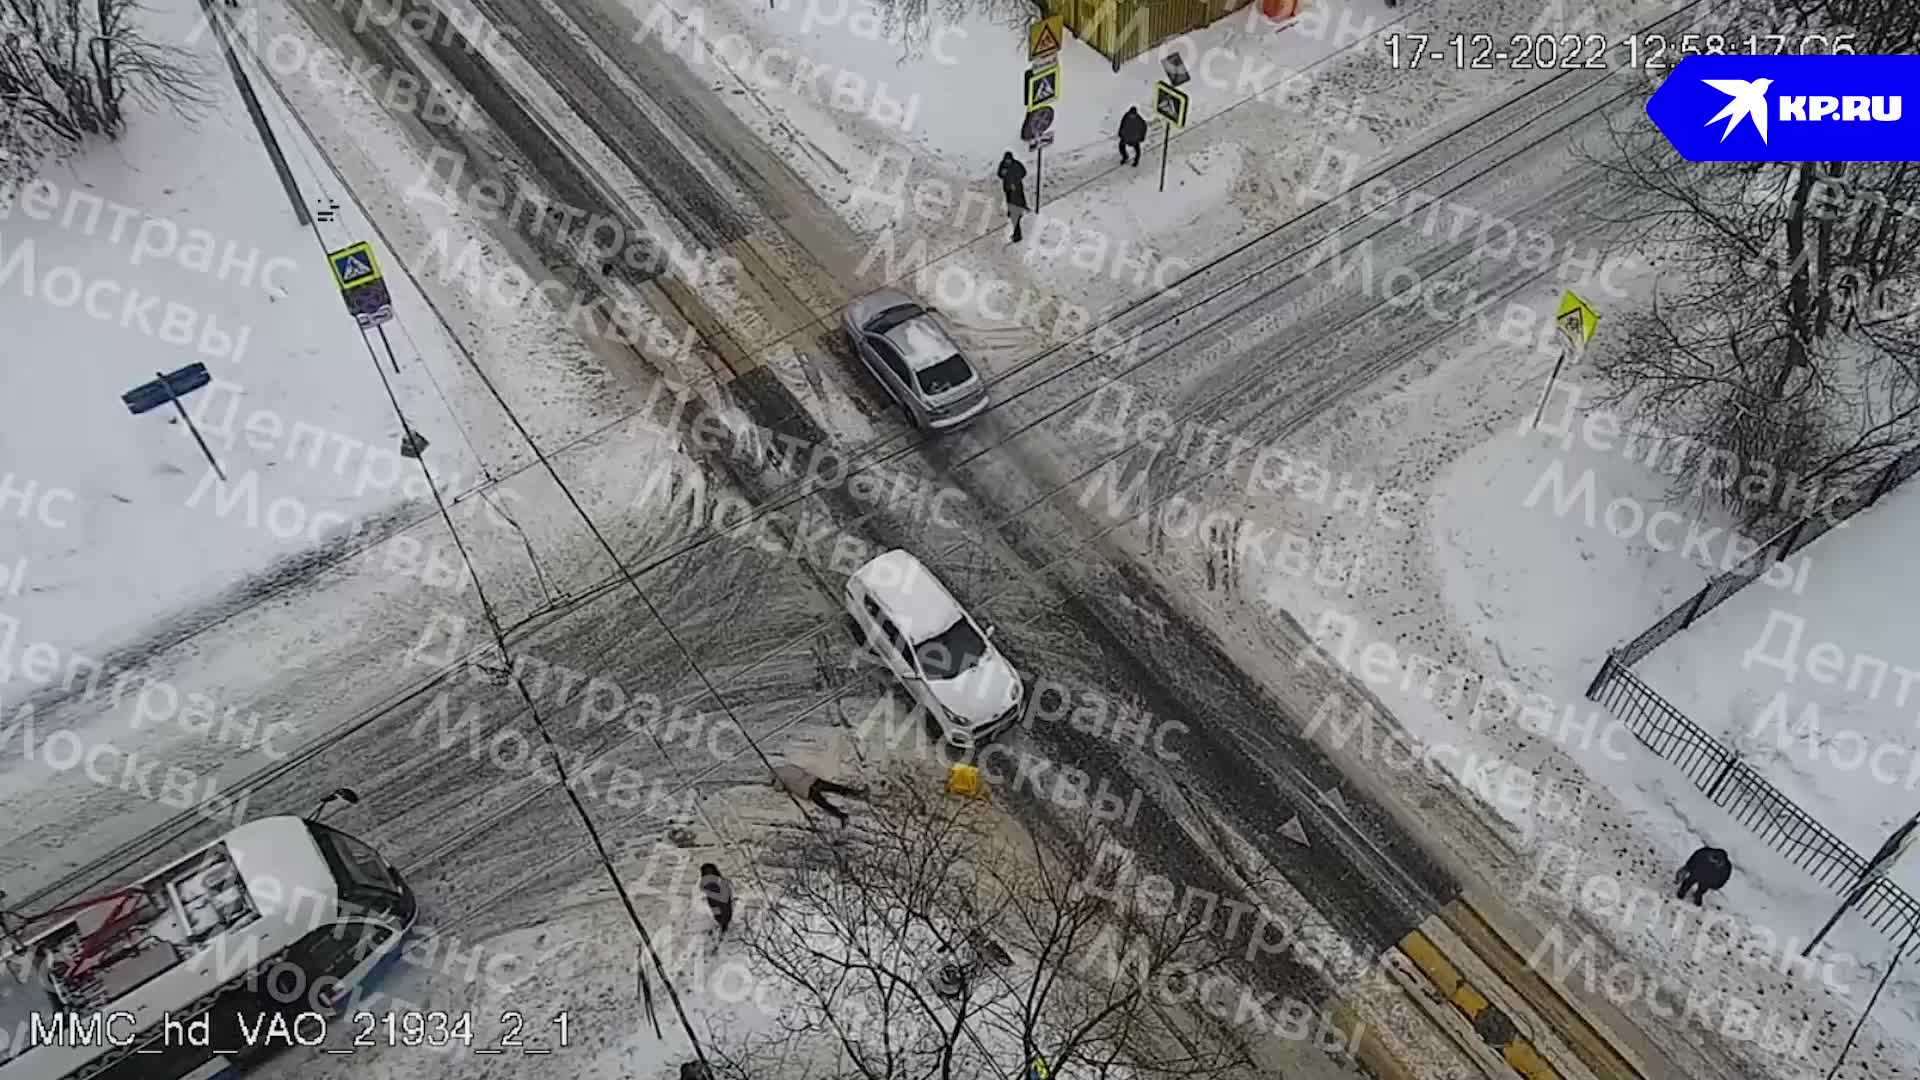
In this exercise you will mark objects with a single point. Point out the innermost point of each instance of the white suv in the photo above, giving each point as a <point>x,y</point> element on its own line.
<point>919,631</point>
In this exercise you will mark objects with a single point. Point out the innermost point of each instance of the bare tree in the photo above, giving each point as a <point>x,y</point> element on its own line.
<point>1785,330</point>
<point>912,22</point>
<point>935,944</point>
<point>68,68</point>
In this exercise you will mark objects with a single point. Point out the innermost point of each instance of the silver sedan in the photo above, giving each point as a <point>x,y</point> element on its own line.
<point>907,349</point>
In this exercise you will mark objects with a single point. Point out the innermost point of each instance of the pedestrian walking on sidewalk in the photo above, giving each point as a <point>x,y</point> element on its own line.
<point>1707,869</point>
<point>719,895</point>
<point>1013,183</point>
<point>804,785</point>
<point>1133,132</point>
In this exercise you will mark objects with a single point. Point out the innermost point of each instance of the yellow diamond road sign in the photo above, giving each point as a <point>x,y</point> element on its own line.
<point>1577,318</point>
<point>1043,86</point>
<point>1044,37</point>
<point>1170,104</point>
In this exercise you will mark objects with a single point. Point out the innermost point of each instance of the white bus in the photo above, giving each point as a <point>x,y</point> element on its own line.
<point>171,977</point>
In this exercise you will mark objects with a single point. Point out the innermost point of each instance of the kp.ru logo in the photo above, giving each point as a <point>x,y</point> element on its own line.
<point>1788,108</point>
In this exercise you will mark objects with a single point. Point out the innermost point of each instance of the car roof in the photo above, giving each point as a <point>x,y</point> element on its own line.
<point>921,342</point>
<point>918,602</point>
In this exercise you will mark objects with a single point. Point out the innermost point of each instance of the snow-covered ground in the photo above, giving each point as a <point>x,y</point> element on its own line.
<point>293,593</point>
<point>1842,751</point>
<point>1547,594</point>
<point>1497,575</point>
<point>1271,105</point>
<point>138,545</point>
<point>962,133</point>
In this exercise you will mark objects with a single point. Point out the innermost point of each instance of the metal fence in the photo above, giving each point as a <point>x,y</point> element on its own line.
<point>1716,769</point>
<point>1750,798</point>
<point>1781,545</point>
<point>1123,29</point>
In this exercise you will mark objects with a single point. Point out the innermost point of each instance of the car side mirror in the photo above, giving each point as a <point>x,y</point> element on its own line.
<point>992,630</point>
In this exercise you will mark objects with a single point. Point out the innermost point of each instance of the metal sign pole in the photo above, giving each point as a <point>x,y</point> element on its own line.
<point>382,327</point>
<point>1860,1023</point>
<point>1853,897</point>
<point>1565,346</point>
<point>1166,132</point>
<point>188,420</point>
<point>1039,171</point>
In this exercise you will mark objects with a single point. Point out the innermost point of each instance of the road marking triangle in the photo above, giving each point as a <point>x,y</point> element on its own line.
<point>1333,798</point>
<point>1295,832</point>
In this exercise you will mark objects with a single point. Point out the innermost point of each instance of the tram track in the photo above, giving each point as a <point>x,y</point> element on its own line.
<point>1044,377</point>
<point>1450,156</point>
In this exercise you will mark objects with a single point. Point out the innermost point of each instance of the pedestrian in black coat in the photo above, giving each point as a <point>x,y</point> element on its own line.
<point>1706,869</point>
<point>1013,182</point>
<point>1133,131</point>
<point>719,894</point>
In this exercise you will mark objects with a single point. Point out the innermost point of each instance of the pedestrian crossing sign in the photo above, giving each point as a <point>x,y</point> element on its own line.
<point>1037,1068</point>
<point>1043,85</point>
<point>1170,103</point>
<point>354,265</point>
<point>1576,318</point>
<point>361,285</point>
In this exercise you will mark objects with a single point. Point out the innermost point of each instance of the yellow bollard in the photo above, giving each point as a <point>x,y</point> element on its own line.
<point>963,780</point>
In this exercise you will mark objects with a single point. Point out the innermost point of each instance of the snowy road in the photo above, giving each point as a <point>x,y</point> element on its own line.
<point>1255,345</point>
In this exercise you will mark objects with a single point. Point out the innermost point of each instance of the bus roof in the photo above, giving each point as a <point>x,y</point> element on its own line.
<point>230,905</point>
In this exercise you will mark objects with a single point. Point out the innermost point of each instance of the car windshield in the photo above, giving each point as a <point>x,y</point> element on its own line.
<point>955,650</point>
<point>360,872</point>
<point>944,376</point>
<point>893,317</point>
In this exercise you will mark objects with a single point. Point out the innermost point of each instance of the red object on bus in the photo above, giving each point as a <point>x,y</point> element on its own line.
<point>1279,9</point>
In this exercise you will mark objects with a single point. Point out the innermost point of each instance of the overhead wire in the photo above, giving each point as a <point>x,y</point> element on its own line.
<point>711,690</point>
<point>516,676</point>
<point>628,574</point>
<point>917,440</point>
<point>778,501</point>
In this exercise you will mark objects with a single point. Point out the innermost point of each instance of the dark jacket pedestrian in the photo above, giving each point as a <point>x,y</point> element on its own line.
<point>1012,174</point>
<point>1133,131</point>
<point>718,892</point>
<point>804,785</point>
<point>1013,177</point>
<point>1707,869</point>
